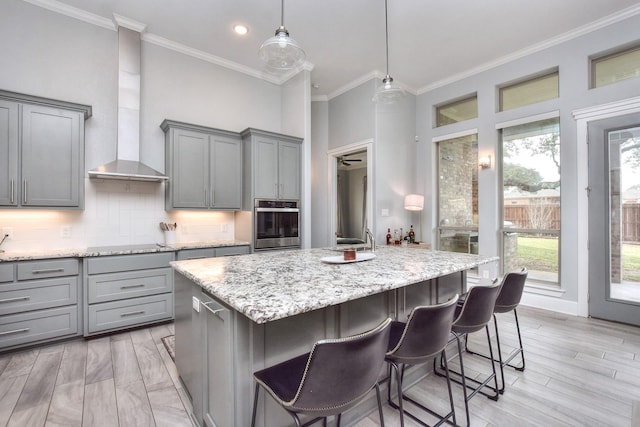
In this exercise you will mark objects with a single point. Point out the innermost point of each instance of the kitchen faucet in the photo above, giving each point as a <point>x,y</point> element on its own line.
<point>372,239</point>
<point>2,241</point>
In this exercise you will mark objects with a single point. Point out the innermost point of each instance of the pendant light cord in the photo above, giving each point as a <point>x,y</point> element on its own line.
<point>386,33</point>
<point>282,13</point>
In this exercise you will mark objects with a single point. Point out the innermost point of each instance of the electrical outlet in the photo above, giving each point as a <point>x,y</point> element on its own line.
<point>225,228</point>
<point>195,303</point>
<point>485,274</point>
<point>384,212</point>
<point>65,231</point>
<point>7,231</point>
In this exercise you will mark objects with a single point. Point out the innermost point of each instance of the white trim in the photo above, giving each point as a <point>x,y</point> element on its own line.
<point>611,109</point>
<point>123,21</point>
<point>74,12</point>
<point>529,119</point>
<point>562,38</point>
<point>583,116</point>
<point>549,303</point>
<point>453,135</point>
<point>332,168</point>
<point>100,21</point>
<point>375,74</point>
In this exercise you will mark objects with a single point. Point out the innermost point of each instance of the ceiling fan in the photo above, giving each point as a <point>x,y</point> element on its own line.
<point>347,162</point>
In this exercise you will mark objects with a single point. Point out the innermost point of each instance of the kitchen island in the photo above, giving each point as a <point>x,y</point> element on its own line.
<point>239,314</point>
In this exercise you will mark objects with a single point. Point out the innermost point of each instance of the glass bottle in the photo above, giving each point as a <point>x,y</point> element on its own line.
<point>388,236</point>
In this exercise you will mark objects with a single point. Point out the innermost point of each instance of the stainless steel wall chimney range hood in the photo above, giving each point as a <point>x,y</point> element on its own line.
<point>127,165</point>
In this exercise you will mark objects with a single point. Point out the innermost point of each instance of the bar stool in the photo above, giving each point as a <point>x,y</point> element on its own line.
<point>508,300</point>
<point>473,315</point>
<point>335,376</point>
<point>421,339</point>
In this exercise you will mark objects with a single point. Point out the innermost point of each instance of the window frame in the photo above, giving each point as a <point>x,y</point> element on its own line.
<point>542,75</point>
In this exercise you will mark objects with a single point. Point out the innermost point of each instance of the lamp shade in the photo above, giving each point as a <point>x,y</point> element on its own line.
<point>281,52</point>
<point>413,202</point>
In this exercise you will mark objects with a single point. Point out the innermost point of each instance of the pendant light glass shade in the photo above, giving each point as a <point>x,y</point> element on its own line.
<point>388,92</point>
<point>281,52</point>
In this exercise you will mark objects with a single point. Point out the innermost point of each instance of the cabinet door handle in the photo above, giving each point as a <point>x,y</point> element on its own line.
<point>138,285</point>
<point>24,192</point>
<point>11,192</point>
<point>213,198</point>
<point>15,299</point>
<point>275,188</point>
<point>132,313</point>
<point>15,331</point>
<point>48,270</point>
<point>212,311</point>
<point>206,197</point>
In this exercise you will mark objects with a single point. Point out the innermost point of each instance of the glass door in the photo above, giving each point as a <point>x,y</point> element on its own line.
<point>614,219</point>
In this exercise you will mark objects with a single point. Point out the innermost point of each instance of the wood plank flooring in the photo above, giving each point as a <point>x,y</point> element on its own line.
<point>580,372</point>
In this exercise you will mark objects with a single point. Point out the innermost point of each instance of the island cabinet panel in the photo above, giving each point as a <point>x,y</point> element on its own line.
<point>41,152</point>
<point>38,301</point>
<point>204,166</point>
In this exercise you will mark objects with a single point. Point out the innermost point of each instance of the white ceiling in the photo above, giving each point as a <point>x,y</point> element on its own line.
<point>430,42</point>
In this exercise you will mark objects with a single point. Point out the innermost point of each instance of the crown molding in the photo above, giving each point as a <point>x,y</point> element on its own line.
<point>74,12</point>
<point>562,38</point>
<point>123,21</point>
<point>118,20</point>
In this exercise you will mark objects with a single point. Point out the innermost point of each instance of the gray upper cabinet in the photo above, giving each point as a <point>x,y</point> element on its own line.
<point>41,152</point>
<point>8,152</point>
<point>204,166</point>
<point>272,165</point>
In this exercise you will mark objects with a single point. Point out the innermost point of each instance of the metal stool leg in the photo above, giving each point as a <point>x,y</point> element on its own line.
<point>255,405</point>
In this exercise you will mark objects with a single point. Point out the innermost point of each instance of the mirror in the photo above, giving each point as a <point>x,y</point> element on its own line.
<point>351,200</point>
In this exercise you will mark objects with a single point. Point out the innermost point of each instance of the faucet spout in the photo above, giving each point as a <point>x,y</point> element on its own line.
<point>371,239</point>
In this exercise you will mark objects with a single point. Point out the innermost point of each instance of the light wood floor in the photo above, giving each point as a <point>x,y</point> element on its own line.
<point>580,372</point>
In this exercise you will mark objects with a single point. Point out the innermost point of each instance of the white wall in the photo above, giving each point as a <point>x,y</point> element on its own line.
<point>47,54</point>
<point>571,58</point>
<point>319,175</point>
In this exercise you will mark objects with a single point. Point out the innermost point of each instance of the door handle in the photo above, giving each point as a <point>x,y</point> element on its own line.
<point>212,311</point>
<point>15,299</point>
<point>15,331</point>
<point>24,192</point>
<point>11,192</point>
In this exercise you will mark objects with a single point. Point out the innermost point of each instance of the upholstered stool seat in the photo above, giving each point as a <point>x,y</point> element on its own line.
<point>336,375</point>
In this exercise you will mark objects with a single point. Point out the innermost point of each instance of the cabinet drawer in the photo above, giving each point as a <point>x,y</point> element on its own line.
<point>196,253</point>
<point>232,250</point>
<point>38,294</point>
<point>48,268</point>
<point>122,314</point>
<point>38,325</point>
<point>112,264</point>
<point>128,284</point>
<point>6,272</point>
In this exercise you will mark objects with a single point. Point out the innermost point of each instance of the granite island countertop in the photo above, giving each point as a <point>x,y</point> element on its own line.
<point>96,251</point>
<point>268,286</point>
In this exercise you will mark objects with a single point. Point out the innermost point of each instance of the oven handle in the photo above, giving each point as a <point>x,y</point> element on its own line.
<point>277,210</point>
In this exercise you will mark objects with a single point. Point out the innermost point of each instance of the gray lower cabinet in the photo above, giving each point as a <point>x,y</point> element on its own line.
<point>204,167</point>
<point>198,253</point>
<point>38,301</point>
<point>127,290</point>
<point>41,152</point>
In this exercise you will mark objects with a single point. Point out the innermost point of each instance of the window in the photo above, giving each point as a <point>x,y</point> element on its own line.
<point>457,111</point>
<point>531,199</point>
<point>458,194</point>
<point>529,92</point>
<point>615,67</point>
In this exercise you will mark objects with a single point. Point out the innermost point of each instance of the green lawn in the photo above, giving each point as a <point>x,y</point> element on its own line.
<point>539,253</point>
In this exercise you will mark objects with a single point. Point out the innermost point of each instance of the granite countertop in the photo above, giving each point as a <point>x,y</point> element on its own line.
<point>273,285</point>
<point>96,251</point>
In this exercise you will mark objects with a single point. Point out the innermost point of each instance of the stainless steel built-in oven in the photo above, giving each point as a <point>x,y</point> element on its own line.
<point>277,224</point>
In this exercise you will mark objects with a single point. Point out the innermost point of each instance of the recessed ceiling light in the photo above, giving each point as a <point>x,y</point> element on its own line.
<point>240,29</point>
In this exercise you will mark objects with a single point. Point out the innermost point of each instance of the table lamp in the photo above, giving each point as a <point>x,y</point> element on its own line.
<point>415,202</point>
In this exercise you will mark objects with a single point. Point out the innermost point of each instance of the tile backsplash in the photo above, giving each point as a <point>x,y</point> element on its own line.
<point>116,213</point>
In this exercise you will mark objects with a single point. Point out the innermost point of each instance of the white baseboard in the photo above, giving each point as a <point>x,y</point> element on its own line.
<point>549,303</point>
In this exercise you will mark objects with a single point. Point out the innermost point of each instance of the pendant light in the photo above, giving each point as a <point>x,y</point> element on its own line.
<point>388,92</point>
<point>281,52</point>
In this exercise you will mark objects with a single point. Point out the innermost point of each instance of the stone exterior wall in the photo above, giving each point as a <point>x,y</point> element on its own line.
<point>458,182</point>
